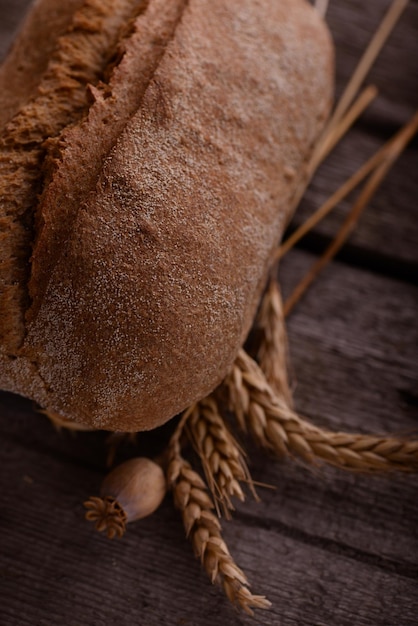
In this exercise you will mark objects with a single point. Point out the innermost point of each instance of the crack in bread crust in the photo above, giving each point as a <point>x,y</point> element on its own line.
<point>61,99</point>
<point>76,157</point>
<point>26,62</point>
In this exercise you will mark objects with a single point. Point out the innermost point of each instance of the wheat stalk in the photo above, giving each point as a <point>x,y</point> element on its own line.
<point>331,139</point>
<point>275,425</point>
<point>204,529</point>
<point>391,153</point>
<point>349,107</point>
<point>342,192</point>
<point>367,60</point>
<point>221,456</point>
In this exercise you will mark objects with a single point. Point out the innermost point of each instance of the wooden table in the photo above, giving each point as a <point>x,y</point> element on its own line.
<point>327,548</point>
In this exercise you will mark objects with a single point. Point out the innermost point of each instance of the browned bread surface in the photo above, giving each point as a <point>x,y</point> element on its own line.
<point>59,100</point>
<point>154,237</point>
<point>32,49</point>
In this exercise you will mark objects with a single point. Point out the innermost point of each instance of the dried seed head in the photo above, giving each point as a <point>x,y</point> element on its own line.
<point>130,492</point>
<point>138,485</point>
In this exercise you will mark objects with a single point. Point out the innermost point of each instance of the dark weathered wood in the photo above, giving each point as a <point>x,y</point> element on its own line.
<point>386,237</point>
<point>354,342</point>
<point>328,548</point>
<point>352,24</point>
<point>55,568</point>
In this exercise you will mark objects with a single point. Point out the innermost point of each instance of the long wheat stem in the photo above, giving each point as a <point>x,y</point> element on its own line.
<point>367,60</point>
<point>394,149</point>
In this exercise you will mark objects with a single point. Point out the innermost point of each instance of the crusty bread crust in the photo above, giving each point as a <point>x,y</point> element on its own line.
<point>27,143</point>
<point>27,60</point>
<point>155,278</point>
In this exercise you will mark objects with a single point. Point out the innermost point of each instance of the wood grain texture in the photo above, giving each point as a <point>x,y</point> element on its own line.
<point>386,237</point>
<point>353,346</point>
<point>327,548</point>
<point>11,12</point>
<point>394,73</point>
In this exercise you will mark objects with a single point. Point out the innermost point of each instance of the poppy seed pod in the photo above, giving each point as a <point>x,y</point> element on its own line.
<point>131,491</point>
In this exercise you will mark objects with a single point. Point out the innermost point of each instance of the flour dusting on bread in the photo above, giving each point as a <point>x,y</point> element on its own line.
<point>157,232</point>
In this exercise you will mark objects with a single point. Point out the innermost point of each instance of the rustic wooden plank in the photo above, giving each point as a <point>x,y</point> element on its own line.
<point>386,237</point>
<point>151,578</point>
<point>354,333</point>
<point>352,25</point>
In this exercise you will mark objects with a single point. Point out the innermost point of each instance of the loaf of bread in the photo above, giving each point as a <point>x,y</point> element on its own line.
<point>148,159</point>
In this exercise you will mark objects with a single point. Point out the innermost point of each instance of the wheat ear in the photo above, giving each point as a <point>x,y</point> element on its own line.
<point>204,530</point>
<point>273,353</point>
<point>275,425</point>
<point>221,456</point>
